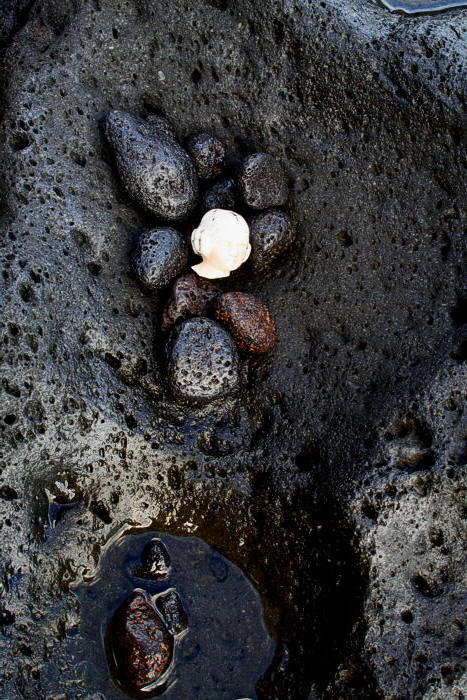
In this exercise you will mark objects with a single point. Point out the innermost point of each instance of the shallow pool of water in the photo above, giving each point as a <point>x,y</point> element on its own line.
<point>419,7</point>
<point>227,647</point>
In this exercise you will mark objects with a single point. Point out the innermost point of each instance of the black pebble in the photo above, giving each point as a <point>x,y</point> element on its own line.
<point>155,560</point>
<point>262,182</point>
<point>155,170</point>
<point>203,361</point>
<point>161,254</point>
<point>271,233</point>
<point>208,154</point>
<point>172,611</point>
<point>223,194</point>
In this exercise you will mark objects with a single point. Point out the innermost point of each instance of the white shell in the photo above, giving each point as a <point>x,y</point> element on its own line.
<point>223,241</point>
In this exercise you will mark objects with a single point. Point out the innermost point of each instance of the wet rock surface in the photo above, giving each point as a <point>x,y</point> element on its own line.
<point>140,643</point>
<point>203,361</point>
<point>155,561</point>
<point>249,321</point>
<point>157,173</point>
<point>223,194</point>
<point>172,611</point>
<point>161,254</point>
<point>191,296</point>
<point>299,481</point>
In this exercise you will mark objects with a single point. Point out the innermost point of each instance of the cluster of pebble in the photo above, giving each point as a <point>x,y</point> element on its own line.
<point>207,325</point>
<point>142,630</point>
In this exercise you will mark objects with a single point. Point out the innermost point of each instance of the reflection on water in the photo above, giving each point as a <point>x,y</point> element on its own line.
<point>226,648</point>
<point>418,7</point>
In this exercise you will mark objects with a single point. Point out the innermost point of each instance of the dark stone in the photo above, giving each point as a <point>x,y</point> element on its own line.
<point>249,321</point>
<point>161,255</point>
<point>271,234</point>
<point>203,361</point>
<point>191,296</point>
<point>207,153</point>
<point>155,561</point>
<point>159,124</point>
<point>262,182</point>
<point>140,643</point>
<point>172,611</point>
<point>155,170</point>
<point>223,194</point>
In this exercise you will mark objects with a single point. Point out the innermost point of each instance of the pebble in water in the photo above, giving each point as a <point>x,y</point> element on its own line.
<point>272,232</point>
<point>203,361</point>
<point>249,321</point>
<point>223,194</point>
<point>155,561</point>
<point>141,646</point>
<point>154,169</point>
<point>191,296</point>
<point>207,153</point>
<point>262,182</point>
<point>223,241</point>
<point>161,255</point>
<point>172,611</point>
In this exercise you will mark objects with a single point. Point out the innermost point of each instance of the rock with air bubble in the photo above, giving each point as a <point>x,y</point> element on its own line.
<point>160,255</point>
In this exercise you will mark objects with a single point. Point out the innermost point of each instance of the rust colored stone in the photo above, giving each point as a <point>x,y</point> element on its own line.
<point>249,321</point>
<point>191,296</point>
<point>141,645</point>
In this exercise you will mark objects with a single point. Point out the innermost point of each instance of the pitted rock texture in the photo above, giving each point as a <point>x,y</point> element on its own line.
<point>262,181</point>
<point>140,642</point>
<point>365,112</point>
<point>161,254</point>
<point>191,296</point>
<point>271,233</point>
<point>203,361</point>
<point>157,173</point>
<point>223,194</point>
<point>249,321</point>
<point>207,153</point>
<point>155,561</point>
<point>172,612</point>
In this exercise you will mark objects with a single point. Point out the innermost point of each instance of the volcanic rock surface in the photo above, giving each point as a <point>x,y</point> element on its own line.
<point>354,542</point>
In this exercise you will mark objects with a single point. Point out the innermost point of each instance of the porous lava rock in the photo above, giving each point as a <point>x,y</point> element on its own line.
<point>222,194</point>
<point>248,319</point>
<point>140,644</point>
<point>271,234</point>
<point>172,611</point>
<point>160,255</point>
<point>203,361</point>
<point>262,181</point>
<point>207,153</point>
<point>191,296</point>
<point>155,170</point>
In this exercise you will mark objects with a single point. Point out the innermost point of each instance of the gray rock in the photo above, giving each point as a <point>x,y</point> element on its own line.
<point>203,361</point>
<point>271,234</point>
<point>223,194</point>
<point>208,154</point>
<point>262,181</point>
<point>161,254</point>
<point>155,170</point>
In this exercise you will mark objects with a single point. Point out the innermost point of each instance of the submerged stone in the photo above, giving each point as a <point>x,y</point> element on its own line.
<point>141,646</point>
<point>155,560</point>
<point>154,169</point>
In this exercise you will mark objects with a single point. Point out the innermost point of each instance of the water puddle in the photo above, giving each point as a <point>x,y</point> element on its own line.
<point>418,7</point>
<point>213,634</point>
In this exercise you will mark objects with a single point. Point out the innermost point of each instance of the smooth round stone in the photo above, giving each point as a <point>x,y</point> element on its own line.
<point>223,194</point>
<point>191,296</point>
<point>141,645</point>
<point>154,169</point>
<point>207,153</point>
<point>249,321</point>
<point>262,182</point>
<point>161,254</point>
<point>271,233</point>
<point>203,361</point>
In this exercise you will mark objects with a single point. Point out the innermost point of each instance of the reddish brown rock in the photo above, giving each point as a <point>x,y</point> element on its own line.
<point>191,296</point>
<point>249,321</point>
<point>141,646</point>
